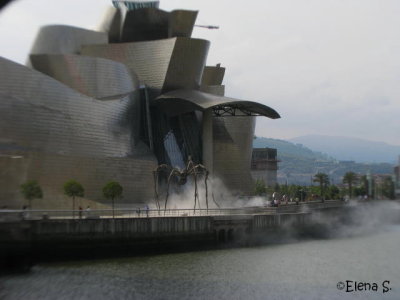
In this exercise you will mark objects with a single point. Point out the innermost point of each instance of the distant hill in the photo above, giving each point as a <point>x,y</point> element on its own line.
<point>346,148</point>
<point>286,148</point>
<point>298,164</point>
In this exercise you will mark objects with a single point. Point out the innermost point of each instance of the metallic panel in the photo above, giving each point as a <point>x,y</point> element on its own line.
<point>144,25</point>
<point>181,23</point>
<point>218,90</point>
<point>233,139</point>
<point>64,134</point>
<point>61,119</point>
<point>149,60</point>
<point>95,77</point>
<point>112,24</point>
<point>187,64</point>
<point>154,24</point>
<point>53,170</point>
<point>60,39</point>
<point>180,101</point>
<point>163,64</point>
<point>213,75</point>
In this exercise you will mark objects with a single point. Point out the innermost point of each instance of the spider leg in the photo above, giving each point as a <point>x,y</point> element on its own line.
<point>200,169</point>
<point>189,164</point>
<point>196,194</point>
<point>212,194</point>
<point>156,173</point>
<point>205,183</point>
<point>173,173</point>
<point>155,178</point>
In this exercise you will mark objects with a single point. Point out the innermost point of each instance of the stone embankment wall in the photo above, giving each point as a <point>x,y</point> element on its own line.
<point>75,238</point>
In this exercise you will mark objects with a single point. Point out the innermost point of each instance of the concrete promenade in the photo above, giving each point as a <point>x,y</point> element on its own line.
<point>7,215</point>
<point>43,234</point>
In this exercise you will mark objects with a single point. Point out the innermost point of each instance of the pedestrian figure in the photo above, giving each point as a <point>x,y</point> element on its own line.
<point>138,212</point>
<point>80,212</point>
<point>147,210</point>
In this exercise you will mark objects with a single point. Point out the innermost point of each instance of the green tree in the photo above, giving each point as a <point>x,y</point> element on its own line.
<point>323,181</point>
<point>260,187</point>
<point>350,178</point>
<point>73,188</point>
<point>334,192</point>
<point>31,190</point>
<point>388,188</point>
<point>111,191</point>
<point>300,192</point>
<point>364,185</point>
<point>312,192</point>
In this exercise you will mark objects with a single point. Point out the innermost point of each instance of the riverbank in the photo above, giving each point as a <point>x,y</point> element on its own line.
<point>29,242</point>
<point>296,269</point>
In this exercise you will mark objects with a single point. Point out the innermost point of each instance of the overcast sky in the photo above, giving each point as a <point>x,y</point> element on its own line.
<point>329,67</point>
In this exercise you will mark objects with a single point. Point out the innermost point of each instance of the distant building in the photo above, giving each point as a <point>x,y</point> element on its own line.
<point>264,165</point>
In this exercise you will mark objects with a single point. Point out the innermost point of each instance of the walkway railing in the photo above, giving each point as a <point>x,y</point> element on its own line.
<point>17,215</point>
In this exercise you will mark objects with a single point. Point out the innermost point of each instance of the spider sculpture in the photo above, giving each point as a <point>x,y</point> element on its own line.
<point>181,178</point>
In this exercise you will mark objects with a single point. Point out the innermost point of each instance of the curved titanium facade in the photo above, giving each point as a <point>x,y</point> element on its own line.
<point>218,90</point>
<point>182,101</point>
<point>155,24</point>
<point>111,24</point>
<point>95,77</point>
<point>90,127</point>
<point>149,60</point>
<point>233,144</point>
<point>232,139</point>
<point>181,23</point>
<point>162,64</point>
<point>212,75</point>
<point>187,63</point>
<point>61,39</point>
<point>58,131</point>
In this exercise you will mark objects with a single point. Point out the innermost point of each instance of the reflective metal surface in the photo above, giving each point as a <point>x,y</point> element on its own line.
<point>184,100</point>
<point>163,64</point>
<point>154,24</point>
<point>61,134</point>
<point>213,75</point>
<point>233,140</point>
<point>57,39</point>
<point>95,77</point>
<point>111,24</point>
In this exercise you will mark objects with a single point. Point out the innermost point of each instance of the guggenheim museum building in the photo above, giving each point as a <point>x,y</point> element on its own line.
<point>113,104</point>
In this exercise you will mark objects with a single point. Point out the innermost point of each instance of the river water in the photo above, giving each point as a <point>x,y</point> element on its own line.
<point>307,269</point>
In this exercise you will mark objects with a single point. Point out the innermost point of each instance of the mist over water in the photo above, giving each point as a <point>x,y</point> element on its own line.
<point>364,249</point>
<point>183,196</point>
<point>360,219</point>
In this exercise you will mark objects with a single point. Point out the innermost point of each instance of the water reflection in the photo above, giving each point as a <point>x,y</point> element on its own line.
<point>302,270</point>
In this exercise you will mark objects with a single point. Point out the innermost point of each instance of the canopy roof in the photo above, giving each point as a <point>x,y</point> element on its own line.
<point>181,101</point>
